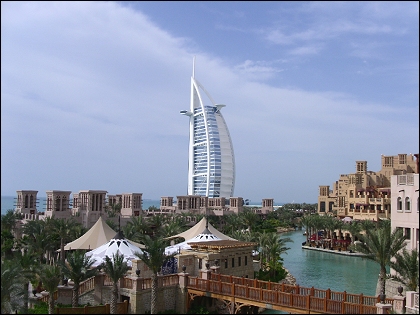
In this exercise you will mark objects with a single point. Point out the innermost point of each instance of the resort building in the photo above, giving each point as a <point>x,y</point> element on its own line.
<point>26,202</point>
<point>405,207</point>
<point>58,204</point>
<point>365,194</point>
<point>89,205</point>
<point>131,203</point>
<point>211,162</point>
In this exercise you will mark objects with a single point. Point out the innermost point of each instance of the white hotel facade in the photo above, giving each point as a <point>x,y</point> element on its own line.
<point>211,161</point>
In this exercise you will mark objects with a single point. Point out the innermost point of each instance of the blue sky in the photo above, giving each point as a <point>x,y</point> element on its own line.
<point>91,92</point>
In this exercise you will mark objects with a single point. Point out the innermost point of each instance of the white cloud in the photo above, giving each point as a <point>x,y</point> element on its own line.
<point>91,94</point>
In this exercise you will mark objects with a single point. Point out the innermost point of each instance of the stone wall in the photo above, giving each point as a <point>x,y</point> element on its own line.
<point>91,299</point>
<point>140,301</point>
<point>390,287</point>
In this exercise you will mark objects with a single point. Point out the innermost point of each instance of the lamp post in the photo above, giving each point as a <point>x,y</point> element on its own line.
<point>184,268</point>
<point>382,297</point>
<point>138,272</point>
<point>400,290</point>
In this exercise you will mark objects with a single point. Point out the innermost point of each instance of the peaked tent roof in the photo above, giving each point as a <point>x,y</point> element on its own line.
<point>199,228</point>
<point>116,244</point>
<point>204,236</point>
<point>99,234</point>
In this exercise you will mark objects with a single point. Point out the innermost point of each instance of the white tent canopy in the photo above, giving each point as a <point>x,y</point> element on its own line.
<point>99,234</point>
<point>117,244</point>
<point>199,228</point>
<point>204,236</point>
<point>347,219</point>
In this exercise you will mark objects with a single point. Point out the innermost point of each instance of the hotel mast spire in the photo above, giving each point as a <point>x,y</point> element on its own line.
<point>193,74</point>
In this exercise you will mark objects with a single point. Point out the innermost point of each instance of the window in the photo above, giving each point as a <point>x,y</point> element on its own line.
<point>407,204</point>
<point>407,233</point>
<point>233,262</point>
<point>246,260</point>
<point>226,263</point>
<point>399,204</point>
<point>200,263</point>
<point>239,261</point>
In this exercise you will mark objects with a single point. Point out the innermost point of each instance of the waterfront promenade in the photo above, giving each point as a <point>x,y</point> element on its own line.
<point>334,251</point>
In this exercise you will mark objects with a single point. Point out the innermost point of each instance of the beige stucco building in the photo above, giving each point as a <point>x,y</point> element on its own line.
<point>365,194</point>
<point>210,206</point>
<point>86,206</point>
<point>405,207</point>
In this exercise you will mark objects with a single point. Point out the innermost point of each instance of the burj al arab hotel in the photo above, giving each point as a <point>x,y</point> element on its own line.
<point>211,162</point>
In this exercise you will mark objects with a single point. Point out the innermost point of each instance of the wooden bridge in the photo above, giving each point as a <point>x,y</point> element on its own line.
<point>236,292</point>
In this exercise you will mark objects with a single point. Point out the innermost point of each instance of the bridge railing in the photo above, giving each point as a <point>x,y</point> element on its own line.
<point>288,295</point>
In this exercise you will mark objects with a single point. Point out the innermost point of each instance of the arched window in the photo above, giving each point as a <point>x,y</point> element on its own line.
<point>407,206</point>
<point>399,204</point>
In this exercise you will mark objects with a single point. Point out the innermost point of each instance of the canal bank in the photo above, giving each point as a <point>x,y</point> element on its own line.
<point>331,251</point>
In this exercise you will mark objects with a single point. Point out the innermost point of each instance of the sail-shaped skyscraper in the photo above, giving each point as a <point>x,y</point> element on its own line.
<point>211,162</point>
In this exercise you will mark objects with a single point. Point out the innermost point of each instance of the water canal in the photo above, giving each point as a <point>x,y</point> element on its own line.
<point>325,270</point>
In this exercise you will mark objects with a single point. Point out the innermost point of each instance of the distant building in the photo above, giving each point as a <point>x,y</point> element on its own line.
<point>86,206</point>
<point>89,205</point>
<point>26,202</point>
<point>211,162</point>
<point>58,204</point>
<point>365,194</point>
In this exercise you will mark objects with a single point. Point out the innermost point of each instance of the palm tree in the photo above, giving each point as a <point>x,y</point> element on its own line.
<point>354,228</point>
<point>406,264</point>
<point>271,247</point>
<point>380,245</point>
<point>78,267</point>
<point>171,228</point>
<point>9,220</point>
<point>366,225</point>
<point>50,275</point>
<point>249,219</point>
<point>37,238</point>
<point>318,224</point>
<point>139,227</point>
<point>154,257</point>
<point>330,224</point>
<point>29,267</point>
<point>63,229</point>
<point>232,223</point>
<point>307,223</point>
<point>11,286</point>
<point>115,268</point>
